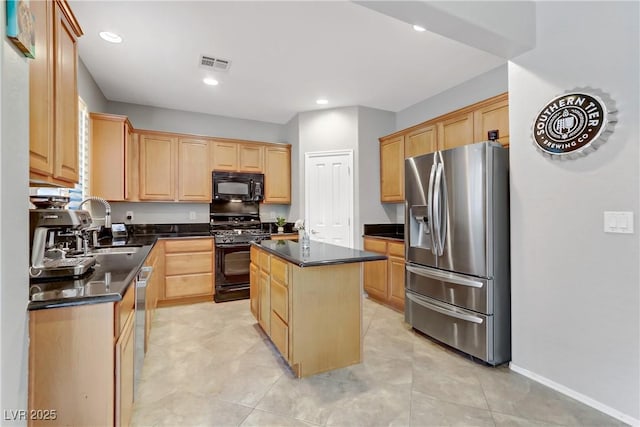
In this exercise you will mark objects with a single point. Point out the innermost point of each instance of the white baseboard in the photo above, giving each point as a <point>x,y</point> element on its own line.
<point>575,395</point>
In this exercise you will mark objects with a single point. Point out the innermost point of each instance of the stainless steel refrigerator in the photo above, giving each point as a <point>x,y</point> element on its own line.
<point>457,249</point>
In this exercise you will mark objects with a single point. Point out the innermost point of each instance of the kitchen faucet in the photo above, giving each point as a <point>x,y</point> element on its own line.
<point>107,209</point>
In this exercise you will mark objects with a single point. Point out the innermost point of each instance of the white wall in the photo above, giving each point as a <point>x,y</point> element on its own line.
<point>89,91</point>
<point>575,289</point>
<point>14,228</point>
<point>163,119</point>
<point>484,86</point>
<point>372,124</point>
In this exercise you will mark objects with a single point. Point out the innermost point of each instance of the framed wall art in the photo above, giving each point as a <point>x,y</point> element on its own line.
<point>20,26</point>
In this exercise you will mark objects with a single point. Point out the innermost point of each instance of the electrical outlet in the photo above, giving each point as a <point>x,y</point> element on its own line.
<point>273,216</point>
<point>192,215</point>
<point>129,215</point>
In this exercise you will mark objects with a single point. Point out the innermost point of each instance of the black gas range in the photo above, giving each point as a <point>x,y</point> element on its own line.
<point>234,225</point>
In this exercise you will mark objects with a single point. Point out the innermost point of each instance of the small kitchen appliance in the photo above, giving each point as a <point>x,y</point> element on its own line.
<point>53,233</point>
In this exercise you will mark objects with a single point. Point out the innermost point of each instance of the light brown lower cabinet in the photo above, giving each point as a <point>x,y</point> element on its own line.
<point>81,363</point>
<point>313,315</point>
<point>188,270</point>
<point>384,280</point>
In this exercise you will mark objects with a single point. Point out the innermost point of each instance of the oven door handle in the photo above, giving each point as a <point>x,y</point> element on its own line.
<point>233,245</point>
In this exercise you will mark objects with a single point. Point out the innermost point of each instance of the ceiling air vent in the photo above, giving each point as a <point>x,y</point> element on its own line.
<point>217,64</point>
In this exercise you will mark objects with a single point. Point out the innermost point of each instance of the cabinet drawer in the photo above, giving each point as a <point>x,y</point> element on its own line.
<point>188,263</point>
<point>374,245</point>
<point>279,271</point>
<point>396,249</point>
<point>279,299</point>
<point>265,265</point>
<point>189,285</point>
<point>124,308</point>
<point>189,245</point>
<point>280,334</point>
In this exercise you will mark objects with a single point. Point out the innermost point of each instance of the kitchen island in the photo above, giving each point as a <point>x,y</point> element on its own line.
<point>309,302</point>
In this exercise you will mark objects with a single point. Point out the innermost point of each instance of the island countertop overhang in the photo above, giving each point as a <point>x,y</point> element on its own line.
<point>318,253</point>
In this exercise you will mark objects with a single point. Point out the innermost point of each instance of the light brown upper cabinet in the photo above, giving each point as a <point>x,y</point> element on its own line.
<point>392,169</point>
<point>236,156</point>
<point>464,126</point>
<point>277,174</point>
<point>455,131</point>
<point>251,157</point>
<point>421,141</point>
<point>194,176</point>
<point>53,94</point>
<point>110,163</point>
<point>494,116</point>
<point>158,154</point>
<point>224,155</point>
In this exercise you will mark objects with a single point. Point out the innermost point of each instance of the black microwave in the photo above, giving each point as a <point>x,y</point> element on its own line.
<point>237,186</point>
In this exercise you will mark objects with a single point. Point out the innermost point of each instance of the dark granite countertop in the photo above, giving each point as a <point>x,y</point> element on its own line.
<point>386,231</point>
<point>113,273</point>
<point>318,253</point>
<point>109,280</point>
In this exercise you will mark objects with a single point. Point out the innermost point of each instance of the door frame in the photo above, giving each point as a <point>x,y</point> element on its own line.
<point>319,154</point>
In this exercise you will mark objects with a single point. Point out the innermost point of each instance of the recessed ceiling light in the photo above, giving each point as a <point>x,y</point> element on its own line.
<point>210,82</point>
<point>419,29</point>
<point>111,37</point>
<point>322,101</point>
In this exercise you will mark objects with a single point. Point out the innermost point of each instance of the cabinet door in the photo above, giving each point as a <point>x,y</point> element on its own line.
<point>375,272</point>
<point>277,175</point>
<point>456,131</point>
<point>41,91</point>
<point>254,289</point>
<point>157,167</point>
<point>420,141</point>
<point>265,302</point>
<point>392,169</point>
<point>396,281</point>
<point>492,117</point>
<point>251,158</point>
<point>66,99</point>
<point>194,181</point>
<point>224,156</point>
<point>124,373</point>
<point>108,145</point>
<point>132,166</point>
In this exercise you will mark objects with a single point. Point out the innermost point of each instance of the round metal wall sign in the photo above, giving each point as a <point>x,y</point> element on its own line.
<point>574,124</point>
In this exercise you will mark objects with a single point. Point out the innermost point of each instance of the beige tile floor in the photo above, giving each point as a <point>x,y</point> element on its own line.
<point>210,364</point>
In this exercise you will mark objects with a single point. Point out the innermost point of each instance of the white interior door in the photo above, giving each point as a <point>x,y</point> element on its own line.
<point>329,196</point>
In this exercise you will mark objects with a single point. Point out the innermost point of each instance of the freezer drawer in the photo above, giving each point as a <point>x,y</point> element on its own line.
<point>462,329</point>
<point>464,291</point>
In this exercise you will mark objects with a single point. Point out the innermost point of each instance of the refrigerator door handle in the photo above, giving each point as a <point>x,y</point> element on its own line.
<point>442,198</point>
<point>451,278</point>
<point>437,210</point>
<point>447,312</point>
<point>430,209</point>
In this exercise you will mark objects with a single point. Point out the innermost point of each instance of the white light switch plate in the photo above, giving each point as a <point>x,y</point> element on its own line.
<point>618,222</point>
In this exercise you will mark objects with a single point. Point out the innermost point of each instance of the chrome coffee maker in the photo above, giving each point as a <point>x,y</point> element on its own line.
<point>54,232</point>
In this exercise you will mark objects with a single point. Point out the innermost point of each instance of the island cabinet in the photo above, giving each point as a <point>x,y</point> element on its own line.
<point>313,315</point>
<point>188,268</point>
<point>114,158</point>
<point>81,363</point>
<point>53,94</point>
<point>384,280</point>
<point>461,127</point>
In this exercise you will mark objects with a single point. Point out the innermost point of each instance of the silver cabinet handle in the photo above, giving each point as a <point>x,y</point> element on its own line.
<point>435,274</point>
<point>450,313</point>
